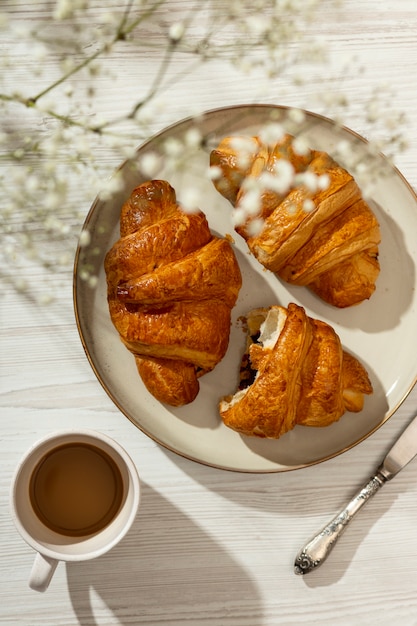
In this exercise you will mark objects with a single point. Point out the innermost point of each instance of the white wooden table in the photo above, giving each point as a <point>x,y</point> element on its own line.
<point>210,546</point>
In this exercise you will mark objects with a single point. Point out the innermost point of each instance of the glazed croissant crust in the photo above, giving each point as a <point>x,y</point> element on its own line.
<point>294,371</point>
<point>323,235</point>
<point>171,288</point>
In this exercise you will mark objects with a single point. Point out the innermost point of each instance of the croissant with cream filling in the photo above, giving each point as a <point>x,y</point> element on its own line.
<point>171,288</point>
<point>294,371</point>
<point>320,233</point>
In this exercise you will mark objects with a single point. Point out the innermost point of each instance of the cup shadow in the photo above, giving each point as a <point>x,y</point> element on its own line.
<point>165,560</point>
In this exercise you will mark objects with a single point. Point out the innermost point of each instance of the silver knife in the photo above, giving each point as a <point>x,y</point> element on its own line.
<point>317,549</point>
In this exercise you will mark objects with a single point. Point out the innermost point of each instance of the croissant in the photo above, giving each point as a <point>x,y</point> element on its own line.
<point>322,234</point>
<point>171,286</point>
<point>294,371</point>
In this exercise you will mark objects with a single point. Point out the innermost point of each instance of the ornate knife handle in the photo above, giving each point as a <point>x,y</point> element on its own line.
<point>317,550</point>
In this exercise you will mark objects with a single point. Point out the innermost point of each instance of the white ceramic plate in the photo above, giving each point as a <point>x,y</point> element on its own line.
<point>382,332</point>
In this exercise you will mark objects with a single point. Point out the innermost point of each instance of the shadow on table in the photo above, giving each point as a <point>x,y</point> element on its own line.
<point>166,570</point>
<point>303,495</point>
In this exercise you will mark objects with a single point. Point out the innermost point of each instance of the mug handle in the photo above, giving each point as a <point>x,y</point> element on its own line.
<point>42,571</point>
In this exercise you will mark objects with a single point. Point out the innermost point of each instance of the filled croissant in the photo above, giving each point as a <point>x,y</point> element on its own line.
<point>319,232</point>
<point>294,371</point>
<point>171,288</point>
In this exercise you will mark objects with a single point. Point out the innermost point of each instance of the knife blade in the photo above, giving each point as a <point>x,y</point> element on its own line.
<point>315,552</point>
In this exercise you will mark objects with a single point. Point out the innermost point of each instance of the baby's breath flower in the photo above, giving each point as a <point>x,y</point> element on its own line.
<point>244,144</point>
<point>45,298</point>
<point>84,239</point>
<point>308,205</point>
<point>270,134</point>
<point>239,216</point>
<point>112,187</point>
<point>173,147</point>
<point>283,175</point>
<point>258,24</point>
<point>32,183</point>
<point>92,281</point>
<point>191,199</point>
<point>255,227</point>
<point>300,146</point>
<point>193,138</point>
<point>323,182</point>
<point>291,209</point>
<point>21,284</point>
<point>307,179</point>
<point>150,164</point>
<point>243,159</point>
<point>64,9</point>
<point>251,202</point>
<point>176,31</point>
<point>214,172</point>
<point>39,52</point>
<point>296,115</point>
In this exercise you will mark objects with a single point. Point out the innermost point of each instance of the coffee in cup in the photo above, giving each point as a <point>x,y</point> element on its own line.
<point>74,496</point>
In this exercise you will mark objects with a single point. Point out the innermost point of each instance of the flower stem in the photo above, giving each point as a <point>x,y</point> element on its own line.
<point>122,31</point>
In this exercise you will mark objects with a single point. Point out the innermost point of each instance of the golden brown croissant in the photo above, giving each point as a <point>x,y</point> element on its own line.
<point>294,371</point>
<point>323,235</point>
<point>171,288</point>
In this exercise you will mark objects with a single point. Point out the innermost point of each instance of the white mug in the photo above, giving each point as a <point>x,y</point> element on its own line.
<point>74,496</point>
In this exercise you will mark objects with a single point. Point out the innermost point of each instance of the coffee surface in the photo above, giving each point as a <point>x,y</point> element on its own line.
<point>76,489</point>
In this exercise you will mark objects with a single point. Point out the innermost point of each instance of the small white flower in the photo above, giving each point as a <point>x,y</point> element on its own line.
<point>271,133</point>
<point>251,202</point>
<point>214,172</point>
<point>173,147</point>
<point>108,18</point>
<point>21,31</point>
<point>112,187</point>
<point>21,284</point>
<point>82,146</point>
<point>238,216</point>
<point>84,239</point>
<point>255,227</point>
<point>257,24</point>
<point>343,147</point>
<point>292,209</point>
<point>92,281</point>
<point>308,180</point>
<point>84,274</point>
<point>300,146</point>
<point>64,258</point>
<point>190,199</point>
<point>150,164</point>
<point>308,205</point>
<point>323,182</point>
<point>32,183</point>
<point>39,52</point>
<point>296,115</point>
<point>65,9</point>
<point>45,299</point>
<point>193,138</point>
<point>244,160</point>
<point>129,152</point>
<point>67,64</point>
<point>52,201</point>
<point>247,145</point>
<point>284,175</point>
<point>176,31</point>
